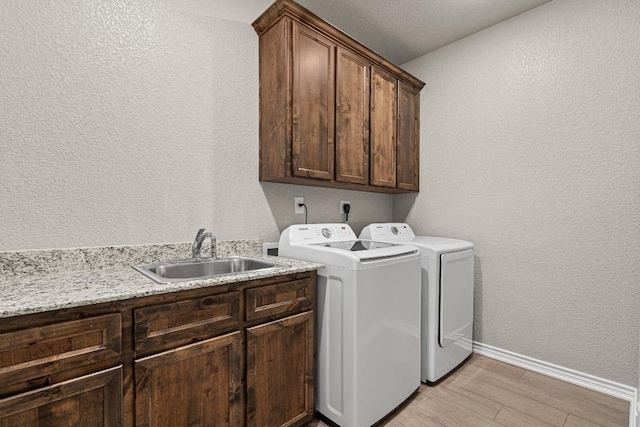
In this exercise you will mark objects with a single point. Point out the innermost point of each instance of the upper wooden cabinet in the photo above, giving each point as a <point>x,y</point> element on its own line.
<point>408,147</point>
<point>333,113</point>
<point>384,90</point>
<point>352,117</point>
<point>313,103</point>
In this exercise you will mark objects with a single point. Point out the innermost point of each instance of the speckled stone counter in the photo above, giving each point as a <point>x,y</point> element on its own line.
<point>38,281</point>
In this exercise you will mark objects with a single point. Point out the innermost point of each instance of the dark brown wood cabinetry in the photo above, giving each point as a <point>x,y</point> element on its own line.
<point>330,108</point>
<point>286,382</point>
<point>313,103</point>
<point>384,88</point>
<point>71,354</point>
<point>228,355</point>
<point>352,117</point>
<point>163,326</point>
<point>195,385</point>
<point>408,146</point>
<point>91,400</point>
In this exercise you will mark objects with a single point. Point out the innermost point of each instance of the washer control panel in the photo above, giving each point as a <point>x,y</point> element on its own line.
<point>388,231</point>
<point>309,234</point>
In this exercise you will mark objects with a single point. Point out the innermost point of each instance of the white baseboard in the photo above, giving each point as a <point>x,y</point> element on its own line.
<point>602,385</point>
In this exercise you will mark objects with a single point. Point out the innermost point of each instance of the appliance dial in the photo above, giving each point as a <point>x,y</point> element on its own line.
<point>394,230</point>
<point>326,232</point>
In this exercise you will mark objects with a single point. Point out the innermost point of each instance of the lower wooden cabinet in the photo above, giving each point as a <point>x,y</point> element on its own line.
<point>231,356</point>
<point>280,371</point>
<point>92,400</point>
<point>269,360</point>
<point>195,385</point>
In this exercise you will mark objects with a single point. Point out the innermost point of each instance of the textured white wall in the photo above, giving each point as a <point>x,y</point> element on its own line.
<point>136,122</point>
<point>530,136</point>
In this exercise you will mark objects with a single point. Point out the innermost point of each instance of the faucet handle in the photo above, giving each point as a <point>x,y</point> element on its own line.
<point>199,233</point>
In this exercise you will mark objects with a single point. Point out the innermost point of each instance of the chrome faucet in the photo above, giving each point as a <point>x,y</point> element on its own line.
<point>197,244</point>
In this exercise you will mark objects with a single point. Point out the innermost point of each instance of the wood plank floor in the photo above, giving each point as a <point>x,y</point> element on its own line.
<point>486,392</point>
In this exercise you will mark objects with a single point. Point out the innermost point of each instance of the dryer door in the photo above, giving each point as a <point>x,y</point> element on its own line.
<point>456,297</point>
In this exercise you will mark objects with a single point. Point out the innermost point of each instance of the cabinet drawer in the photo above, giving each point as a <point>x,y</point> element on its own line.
<point>43,350</point>
<point>93,400</point>
<point>165,326</point>
<point>279,299</point>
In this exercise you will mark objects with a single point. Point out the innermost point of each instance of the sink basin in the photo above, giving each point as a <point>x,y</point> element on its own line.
<point>192,269</point>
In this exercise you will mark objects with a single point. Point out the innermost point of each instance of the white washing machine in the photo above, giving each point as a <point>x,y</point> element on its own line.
<point>447,296</point>
<point>368,320</point>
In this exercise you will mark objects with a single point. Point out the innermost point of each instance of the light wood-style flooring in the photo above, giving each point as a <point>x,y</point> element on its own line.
<point>488,393</point>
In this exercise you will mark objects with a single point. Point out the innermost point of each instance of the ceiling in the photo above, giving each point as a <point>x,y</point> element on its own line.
<point>399,30</point>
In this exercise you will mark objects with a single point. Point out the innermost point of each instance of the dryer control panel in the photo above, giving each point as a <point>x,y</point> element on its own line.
<point>388,231</point>
<point>309,234</point>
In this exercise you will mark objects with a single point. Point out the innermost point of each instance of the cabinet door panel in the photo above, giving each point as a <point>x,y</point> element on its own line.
<point>92,400</point>
<point>383,128</point>
<point>275,101</point>
<point>194,385</point>
<point>313,104</point>
<point>352,118</point>
<point>408,137</point>
<point>280,389</point>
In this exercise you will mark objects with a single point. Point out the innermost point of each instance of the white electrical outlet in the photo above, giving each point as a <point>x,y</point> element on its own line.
<point>342,203</point>
<point>297,201</point>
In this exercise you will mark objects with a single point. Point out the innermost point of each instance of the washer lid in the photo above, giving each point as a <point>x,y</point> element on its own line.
<point>402,233</point>
<point>367,250</point>
<point>357,245</point>
<point>432,246</point>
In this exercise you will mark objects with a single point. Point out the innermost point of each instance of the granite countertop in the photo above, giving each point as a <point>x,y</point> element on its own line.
<point>39,281</point>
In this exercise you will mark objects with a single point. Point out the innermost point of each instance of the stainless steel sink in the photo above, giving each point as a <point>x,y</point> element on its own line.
<point>192,269</point>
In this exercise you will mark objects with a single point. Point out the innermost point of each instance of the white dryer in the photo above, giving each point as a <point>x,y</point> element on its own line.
<point>368,320</point>
<point>447,296</point>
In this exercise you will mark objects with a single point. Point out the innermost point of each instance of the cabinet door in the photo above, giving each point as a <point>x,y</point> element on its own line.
<point>280,371</point>
<point>195,385</point>
<point>352,118</point>
<point>313,104</point>
<point>275,102</point>
<point>92,400</point>
<point>383,128</point>
<point>408,153</point>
